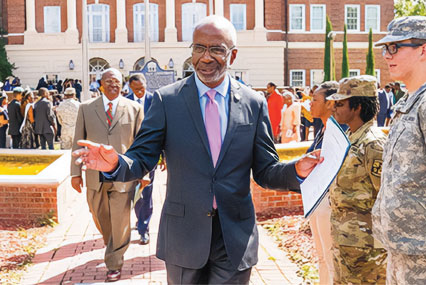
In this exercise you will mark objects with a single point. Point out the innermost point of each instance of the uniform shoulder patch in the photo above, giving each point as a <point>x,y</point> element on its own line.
<point>376,168</point>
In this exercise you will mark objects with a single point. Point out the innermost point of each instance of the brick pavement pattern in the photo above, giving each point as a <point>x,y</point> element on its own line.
<point>75,250</point>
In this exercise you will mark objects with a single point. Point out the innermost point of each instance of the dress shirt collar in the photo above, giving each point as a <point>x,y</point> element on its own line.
<point>222,88</point>
<point>114,103</point>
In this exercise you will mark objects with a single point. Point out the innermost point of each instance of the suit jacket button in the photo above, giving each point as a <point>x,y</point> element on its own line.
<point>209,214</point>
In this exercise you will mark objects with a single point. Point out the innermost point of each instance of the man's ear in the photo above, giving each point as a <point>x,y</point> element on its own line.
<point>233,56</point>
<point>423,47</point>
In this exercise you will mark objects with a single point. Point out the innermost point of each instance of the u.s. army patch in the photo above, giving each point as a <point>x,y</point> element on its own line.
<point>376,169</point>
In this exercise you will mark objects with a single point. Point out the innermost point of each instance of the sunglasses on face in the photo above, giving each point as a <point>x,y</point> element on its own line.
<point>393,48</point>
<point>213,50</point>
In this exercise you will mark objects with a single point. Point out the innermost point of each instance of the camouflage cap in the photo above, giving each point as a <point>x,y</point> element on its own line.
<point>405,28</point>
<point>357,86</point>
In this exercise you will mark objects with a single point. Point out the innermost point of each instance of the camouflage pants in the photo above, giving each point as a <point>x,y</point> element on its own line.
<point>406,269</point>
<point>359,265</point>
<point>67,137</point>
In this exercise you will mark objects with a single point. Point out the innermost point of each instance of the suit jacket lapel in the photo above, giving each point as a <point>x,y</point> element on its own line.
<point>192,100</point>
<point>100,111</point>
<point>234,119</point>
<point>119,112</point>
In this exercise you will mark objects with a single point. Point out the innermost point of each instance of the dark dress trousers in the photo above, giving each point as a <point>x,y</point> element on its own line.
<point>383,108</point>
<point>144,206</point>
<point>15,121</point>
<point>174,124</point>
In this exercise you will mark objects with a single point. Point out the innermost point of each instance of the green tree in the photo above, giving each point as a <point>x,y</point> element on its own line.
<point>5,66</point>
<point>328,54</point>
<point>370,55</point>
<point>345,60</point>
<point>410,8</point>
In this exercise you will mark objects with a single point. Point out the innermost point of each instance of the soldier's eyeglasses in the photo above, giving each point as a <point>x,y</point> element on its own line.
<point>221,51</point>
<point>393,48</point>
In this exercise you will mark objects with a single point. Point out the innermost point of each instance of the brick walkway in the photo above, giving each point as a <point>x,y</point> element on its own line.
<point>74,253</point>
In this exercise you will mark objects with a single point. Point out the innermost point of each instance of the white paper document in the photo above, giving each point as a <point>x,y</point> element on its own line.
<point>335,147</point>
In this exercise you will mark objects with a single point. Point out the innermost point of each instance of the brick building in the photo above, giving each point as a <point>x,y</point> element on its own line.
<point>278,40</point>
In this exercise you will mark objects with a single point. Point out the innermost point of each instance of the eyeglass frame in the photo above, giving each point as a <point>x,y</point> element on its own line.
<point>385,48</point>
<point>228,50</point>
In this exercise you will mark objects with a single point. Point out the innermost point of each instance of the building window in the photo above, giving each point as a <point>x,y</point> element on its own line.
<point>354,72</point>
<point>297,18</point>
<point>297,77</point>
<point>98,15</point>
<point>317,76</point>
<point>372,18</point>
<point>352,13</point>
<point>188,68</point>
<point>238,16</point>
<point>96,67</point>
<point>139,22</point>
<point>191,14</point>
<point>317,18</point>
<point>377,74</point>
<point>52,19</point>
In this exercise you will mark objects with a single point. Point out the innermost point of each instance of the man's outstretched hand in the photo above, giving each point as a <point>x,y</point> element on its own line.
<point>307,163</point>
<point>96,156</point>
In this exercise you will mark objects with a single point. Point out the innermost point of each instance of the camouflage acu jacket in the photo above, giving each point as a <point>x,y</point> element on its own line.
<point>353,192</point>
<point>399,214</point>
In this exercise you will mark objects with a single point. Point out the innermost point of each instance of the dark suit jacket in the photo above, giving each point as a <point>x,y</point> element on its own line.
<point>383,103</point>
<point>15,117</point>
<point>148,99</point>
<point>44,117</point>
<point>174,123</point>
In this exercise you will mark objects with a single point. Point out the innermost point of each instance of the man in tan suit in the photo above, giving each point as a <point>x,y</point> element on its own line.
<point>113,120</point>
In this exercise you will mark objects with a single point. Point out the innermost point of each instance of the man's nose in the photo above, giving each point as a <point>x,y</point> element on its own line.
<point>206,56</point>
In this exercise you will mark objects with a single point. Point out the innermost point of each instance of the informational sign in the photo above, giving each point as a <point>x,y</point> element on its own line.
<point>155,76</point>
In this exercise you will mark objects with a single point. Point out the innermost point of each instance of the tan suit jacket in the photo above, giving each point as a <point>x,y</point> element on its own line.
<point>92,125</point>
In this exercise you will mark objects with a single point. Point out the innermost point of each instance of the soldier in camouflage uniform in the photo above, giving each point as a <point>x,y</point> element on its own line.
<point>67,116</point>
<point>358,257</point>
<point>399,214</point>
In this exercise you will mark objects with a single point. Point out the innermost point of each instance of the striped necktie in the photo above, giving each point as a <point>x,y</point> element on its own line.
<point>109,114</point>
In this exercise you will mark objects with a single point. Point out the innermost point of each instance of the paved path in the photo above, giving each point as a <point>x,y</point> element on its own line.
<point>74,253</point>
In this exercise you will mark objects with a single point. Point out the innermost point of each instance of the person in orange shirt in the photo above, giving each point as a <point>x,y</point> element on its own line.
<point>290,120</point>
<point>275,104</point>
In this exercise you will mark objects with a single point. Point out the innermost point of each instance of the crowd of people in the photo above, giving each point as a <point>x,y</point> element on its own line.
<point>291,117</point>
<point>215,133</point>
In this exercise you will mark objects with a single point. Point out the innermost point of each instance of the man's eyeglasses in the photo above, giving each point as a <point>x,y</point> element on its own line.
<point>213,50</point>
<point>393,48</point>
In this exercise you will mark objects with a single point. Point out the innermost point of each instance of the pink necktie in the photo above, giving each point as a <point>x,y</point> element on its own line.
<point>212,123</point>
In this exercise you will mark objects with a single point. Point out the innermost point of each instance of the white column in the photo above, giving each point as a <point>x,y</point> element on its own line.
<point>71,33</point>
<point>170,33</point>
<point>30,12</point>
<point>218,7</point>
<point>121,30</point>
<point>259,27</point>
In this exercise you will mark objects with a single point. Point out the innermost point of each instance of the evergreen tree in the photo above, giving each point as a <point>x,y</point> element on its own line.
<point>5,66</point>
<point>370,55</point>
<point>345,60</point>
<point>410,8</point>
<point>328,54</point>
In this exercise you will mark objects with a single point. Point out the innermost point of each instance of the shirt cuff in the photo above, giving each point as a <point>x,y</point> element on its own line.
<point>113,174</point>
<point>300,179</point>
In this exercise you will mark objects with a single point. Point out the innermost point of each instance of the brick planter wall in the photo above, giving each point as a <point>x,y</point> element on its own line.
<point>27,203</point>
<point>275,202</point>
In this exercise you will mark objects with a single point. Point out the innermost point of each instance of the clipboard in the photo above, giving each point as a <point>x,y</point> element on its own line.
<point>335,147</point>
